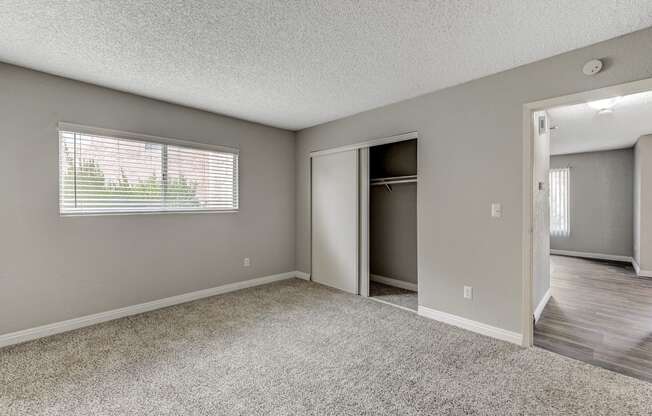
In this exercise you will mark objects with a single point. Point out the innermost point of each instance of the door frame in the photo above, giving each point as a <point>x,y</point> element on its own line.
<point>363,221</point>
<point>527,326</point>
<point>369,143</point>
<point>363,200</point>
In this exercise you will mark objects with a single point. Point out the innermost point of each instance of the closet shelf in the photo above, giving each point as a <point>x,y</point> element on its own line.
<point>393,180</point>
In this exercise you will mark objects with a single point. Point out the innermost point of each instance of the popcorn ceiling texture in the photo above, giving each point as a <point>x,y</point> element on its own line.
<point>295,65</point>
<point>299,348</point>
<point>582,129</point>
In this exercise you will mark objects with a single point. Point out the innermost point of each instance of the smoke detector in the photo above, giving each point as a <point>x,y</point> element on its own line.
<point>592,67</point>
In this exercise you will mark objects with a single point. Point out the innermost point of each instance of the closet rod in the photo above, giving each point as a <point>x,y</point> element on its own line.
<point>391,178</point>
<point>392,182</point>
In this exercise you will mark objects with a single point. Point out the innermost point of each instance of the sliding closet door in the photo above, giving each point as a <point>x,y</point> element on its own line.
<point>364,221</point>
<point>335,220</point>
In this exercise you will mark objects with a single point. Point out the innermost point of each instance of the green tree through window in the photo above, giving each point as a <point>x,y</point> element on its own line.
<point>89,184</point>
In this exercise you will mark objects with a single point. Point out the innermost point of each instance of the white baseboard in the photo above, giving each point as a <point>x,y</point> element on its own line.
<point>587,255</point>
<point>88,320</point>
<point>393,282</point>
<point>544,301</point>
<point>302,275</point>
<point>639,271</point>
<point>600,256</point>
<point>474,326</point>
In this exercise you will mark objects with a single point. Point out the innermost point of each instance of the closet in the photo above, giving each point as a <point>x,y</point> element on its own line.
<point>393,223</point>
<point>364,219</point>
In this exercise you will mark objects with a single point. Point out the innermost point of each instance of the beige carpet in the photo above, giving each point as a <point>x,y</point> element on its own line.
<point>297,348</point>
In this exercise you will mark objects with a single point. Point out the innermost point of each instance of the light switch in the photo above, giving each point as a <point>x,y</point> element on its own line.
<point>468,292</point>
<point>496,210</point>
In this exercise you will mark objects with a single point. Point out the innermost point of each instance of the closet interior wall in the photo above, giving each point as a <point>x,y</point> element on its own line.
<point>393,212</point>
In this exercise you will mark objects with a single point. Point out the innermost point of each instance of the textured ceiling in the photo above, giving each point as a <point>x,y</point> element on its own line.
<point>297,64</point>
<point>581,128</point>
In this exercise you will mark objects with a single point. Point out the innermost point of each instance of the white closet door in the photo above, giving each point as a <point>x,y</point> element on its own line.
<point>335,220</point>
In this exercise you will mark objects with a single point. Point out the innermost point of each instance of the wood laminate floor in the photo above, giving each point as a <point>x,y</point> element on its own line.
<point>601,313</point>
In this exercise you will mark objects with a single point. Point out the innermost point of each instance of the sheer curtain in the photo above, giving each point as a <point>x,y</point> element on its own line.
<point>559,202</point>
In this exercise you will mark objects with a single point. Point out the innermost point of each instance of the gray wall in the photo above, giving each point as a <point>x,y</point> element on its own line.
<point>643,203</point>
<point>54,268</point>
<point>541,219</point>
<point>601,202</point>
<point>470,154</point>
<point>393,215</point>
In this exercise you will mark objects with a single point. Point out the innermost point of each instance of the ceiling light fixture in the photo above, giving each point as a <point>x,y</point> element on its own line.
<point>606,104</point>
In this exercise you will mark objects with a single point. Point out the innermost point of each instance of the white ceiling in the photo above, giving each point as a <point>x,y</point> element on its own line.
<point>581,128</point>
<point>295,65</point>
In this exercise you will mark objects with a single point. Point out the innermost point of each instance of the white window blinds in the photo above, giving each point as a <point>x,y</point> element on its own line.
<point>104,173</point>
<point>559,202</point>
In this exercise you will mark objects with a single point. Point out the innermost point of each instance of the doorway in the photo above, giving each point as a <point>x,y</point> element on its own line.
<point>587,297</point>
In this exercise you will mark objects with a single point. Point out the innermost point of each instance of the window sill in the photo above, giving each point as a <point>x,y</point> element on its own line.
<point>115,214</point>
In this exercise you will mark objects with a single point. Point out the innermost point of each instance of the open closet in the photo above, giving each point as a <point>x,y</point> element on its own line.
<point>364,219</point>
<point>393,223</point>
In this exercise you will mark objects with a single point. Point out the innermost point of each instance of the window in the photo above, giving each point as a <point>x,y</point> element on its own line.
<point>108,172</point>
<point>559,201</point>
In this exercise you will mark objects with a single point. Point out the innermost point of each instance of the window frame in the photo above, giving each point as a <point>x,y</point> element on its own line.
<point>126,135</point>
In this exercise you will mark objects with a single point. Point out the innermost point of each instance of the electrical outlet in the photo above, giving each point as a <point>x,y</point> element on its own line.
<point>247,262</point>
<point>468,292</point>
